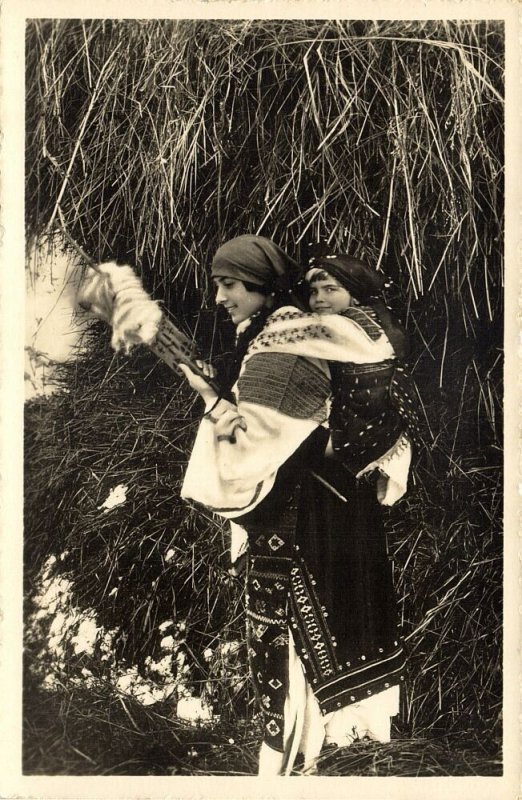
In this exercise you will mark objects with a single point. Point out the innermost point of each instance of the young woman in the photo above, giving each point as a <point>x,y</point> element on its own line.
<point>324,651</point>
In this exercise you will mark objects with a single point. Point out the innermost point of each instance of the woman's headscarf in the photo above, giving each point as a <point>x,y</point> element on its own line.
<point>257,260</point>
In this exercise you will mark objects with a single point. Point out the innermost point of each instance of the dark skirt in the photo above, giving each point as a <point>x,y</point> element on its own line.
<point>320,568</point>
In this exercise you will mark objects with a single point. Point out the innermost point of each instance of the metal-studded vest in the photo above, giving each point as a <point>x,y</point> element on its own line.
<point>372,404</point>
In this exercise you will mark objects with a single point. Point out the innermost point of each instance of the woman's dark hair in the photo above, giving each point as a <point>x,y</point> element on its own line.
<point>232,363</point>
<point>281,297</point>
<point>254,287</point>
<point>257,323</point>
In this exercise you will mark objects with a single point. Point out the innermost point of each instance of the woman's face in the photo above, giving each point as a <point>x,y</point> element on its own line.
<point>237,300</point>
<point>327,296</point>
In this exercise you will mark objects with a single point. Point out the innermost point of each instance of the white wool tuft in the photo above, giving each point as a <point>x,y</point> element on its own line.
<point>114,294</point>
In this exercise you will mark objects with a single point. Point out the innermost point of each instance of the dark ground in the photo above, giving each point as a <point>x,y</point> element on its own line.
<point>80,732</point>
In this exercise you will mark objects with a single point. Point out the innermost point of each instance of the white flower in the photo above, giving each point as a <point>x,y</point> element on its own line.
<point>170,554</point>
<point>126,681</point>
<point>53,594</point>
<point>147,694</point>
<point>167,643</point>
<point>181,660</point>
<point>193,709</point>
<point>164,625</point>
<point>229,647</point>
<point>85,639</point>
<point>116,497</point>
<point>58,625</point>
<point>162,667</point>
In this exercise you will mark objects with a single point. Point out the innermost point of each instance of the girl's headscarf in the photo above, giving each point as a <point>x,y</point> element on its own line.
<point>366,285</point>
<point>256,260</point>
<point>357,277</point>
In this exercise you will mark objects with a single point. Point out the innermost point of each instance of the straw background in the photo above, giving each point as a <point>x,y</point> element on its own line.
<point>154,141</point>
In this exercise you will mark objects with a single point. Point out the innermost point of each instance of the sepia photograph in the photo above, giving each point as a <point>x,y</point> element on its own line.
<point>263,527</point>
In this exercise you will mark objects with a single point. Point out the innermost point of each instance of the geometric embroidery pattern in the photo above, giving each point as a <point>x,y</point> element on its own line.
<point>267,621</point>
<point>275,542</point>
<point>273,728</point>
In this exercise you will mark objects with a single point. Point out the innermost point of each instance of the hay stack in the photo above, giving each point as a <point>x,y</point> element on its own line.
<point>155,141</point>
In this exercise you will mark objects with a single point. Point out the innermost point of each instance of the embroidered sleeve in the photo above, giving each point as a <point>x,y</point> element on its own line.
<point>281,399</point>
<point>239,447</point>
<point>292,385</point>
<point>366,319</point>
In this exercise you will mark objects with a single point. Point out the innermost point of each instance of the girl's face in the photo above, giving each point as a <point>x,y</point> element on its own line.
<point>327,296</point>
<point>237,300</point>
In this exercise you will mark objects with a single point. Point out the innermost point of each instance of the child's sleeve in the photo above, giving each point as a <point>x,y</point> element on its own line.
<point>394,467</point>
<point>330,337</point>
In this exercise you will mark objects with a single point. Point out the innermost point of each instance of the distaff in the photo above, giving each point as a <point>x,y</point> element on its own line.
<point>114,294</point>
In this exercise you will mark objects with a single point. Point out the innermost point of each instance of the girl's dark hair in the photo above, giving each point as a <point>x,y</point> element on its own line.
<point>320,275</point>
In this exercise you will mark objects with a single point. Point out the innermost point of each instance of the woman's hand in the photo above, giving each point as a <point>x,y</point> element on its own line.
<point>198,383</point>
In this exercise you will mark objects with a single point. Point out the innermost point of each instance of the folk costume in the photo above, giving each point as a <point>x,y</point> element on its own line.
<point>324,650</point>
<point>374,406</point>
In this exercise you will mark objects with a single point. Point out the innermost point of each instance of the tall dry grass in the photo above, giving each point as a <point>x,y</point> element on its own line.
<point>156,140</point>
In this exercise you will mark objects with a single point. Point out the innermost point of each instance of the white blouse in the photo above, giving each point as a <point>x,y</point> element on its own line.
<point>240,446</point>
